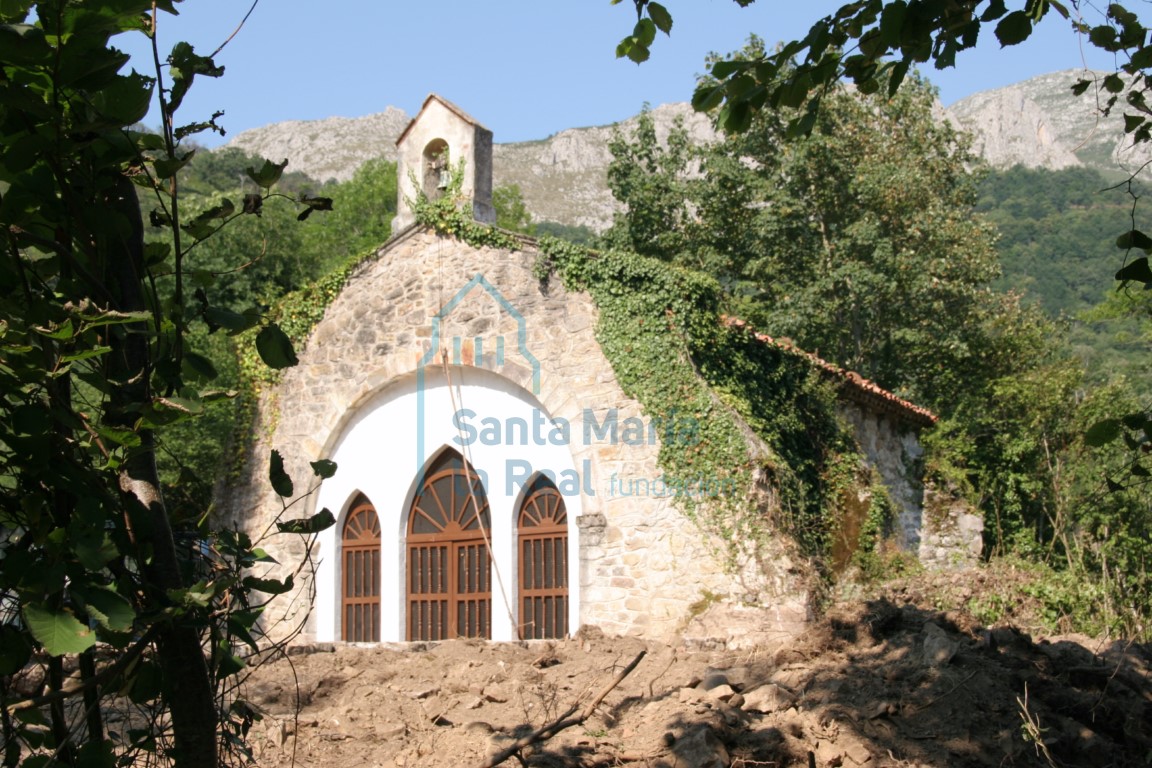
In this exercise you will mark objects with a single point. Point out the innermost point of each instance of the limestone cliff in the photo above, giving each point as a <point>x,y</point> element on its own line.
<point>1038,123</point>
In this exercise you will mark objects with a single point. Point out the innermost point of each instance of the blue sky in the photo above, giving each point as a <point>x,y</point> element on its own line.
<point>524,68</point>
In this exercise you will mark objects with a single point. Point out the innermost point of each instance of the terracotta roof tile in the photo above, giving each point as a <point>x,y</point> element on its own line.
<point>853,385</point>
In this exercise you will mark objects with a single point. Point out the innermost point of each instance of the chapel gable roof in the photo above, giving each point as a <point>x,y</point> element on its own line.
<point>447,105</point>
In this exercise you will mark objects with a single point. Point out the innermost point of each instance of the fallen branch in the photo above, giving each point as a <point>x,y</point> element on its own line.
<point>565,720</point>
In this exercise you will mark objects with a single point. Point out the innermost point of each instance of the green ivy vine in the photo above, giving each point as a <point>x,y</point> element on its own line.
<point>450,214</point>
<point>662,329</point>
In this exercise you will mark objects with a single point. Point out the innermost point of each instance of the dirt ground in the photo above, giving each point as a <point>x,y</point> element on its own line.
<point>885,681</point>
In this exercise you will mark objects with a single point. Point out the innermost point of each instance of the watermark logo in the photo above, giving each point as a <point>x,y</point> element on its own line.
<point>594,426</point>
<point>459,350</point>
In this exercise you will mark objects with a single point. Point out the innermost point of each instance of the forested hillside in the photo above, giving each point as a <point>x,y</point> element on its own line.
<point>253,262</point>
<point>1057,232</point>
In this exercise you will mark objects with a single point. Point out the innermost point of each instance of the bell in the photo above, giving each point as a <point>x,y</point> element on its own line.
<point>445,177</point>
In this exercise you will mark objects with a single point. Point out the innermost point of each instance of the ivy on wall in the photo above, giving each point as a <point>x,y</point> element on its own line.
<point>662,329</point>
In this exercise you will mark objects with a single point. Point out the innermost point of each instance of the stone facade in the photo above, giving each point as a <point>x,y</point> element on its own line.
<point>641,562</point>
<point>953,536</point>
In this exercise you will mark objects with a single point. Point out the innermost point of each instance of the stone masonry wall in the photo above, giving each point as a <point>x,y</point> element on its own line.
<point>643,564</point>
<point>893,450</point>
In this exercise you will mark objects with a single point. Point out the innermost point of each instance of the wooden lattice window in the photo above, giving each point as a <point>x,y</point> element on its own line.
<point>360,603</point>
<point>449,584</point>
<point>542,532</point>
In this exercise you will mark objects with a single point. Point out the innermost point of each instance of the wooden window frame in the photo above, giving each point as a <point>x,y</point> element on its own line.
<point>360,573</point>
<point>542,548</point>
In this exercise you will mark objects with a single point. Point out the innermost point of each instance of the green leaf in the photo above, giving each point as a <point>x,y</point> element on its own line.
<point>64,330</point>
<point>660,17</point>
<point>1014,28</point>
<point>59,633</point>
<point>167,167</point>
<point>85,354</point>
<point>126,100</point>
<point>1134,238</point>
<point>233,322</point>
<point>240,624</point>
<point>281,482</point>
<point>645,32</point>
<point>275,347</point>
<point>110,609</point>
<point>1132,122</point>
<point>269,586</point>
<point>724,69</point>
<point>1136,270</point>
<point>1103,36</point>
<point>320,521</point>
<point>144,685</point>
<point>197,366</point>
<point>892,23</point>
<point>1141,59</point>
<point>707,97</point>
<point>96,754</point>
<point>1102,432</point>
<point>268,174</point>
<point>184,64</point>
<point>995,10</point>
<point>324,468</point>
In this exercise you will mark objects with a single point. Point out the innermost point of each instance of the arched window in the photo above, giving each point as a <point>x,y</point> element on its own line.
<point>437,171</point>
<point>542,533</point>
<point>449,589</point>
<point>360,602</point>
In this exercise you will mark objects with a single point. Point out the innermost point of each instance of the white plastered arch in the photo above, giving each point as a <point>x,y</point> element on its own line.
<point>383,447</point>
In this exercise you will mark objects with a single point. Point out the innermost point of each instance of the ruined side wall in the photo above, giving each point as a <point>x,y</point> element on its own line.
<point>892,448</point>
<point>643,564</point>
<point>953,536</point>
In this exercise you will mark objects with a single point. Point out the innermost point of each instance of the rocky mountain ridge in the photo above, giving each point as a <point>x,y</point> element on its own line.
<point>1037,123</point>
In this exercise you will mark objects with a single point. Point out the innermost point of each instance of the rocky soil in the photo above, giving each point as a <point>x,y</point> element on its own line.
<point>887,681</point>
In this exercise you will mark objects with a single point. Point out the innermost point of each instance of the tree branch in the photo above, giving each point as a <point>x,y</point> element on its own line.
<point>564,721</point>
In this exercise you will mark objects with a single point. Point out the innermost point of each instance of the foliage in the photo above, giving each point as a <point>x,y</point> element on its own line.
<point>256,262</point>
<point>361,219</point>
<point>651,180</point>
<point>578,234</point>
<point>857,241</point>
<point>511,212</point>
<point>660,327</point>
<point>1055,231</point>
<point>850,229</point>
<point>450,213</point>
<point>100,361</point>
<point>878,43</point>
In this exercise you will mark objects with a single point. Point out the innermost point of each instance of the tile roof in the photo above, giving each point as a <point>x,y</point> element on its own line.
<point>852,384</point>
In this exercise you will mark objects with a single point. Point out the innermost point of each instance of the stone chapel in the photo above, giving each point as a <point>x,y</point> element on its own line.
<point>482,489</point>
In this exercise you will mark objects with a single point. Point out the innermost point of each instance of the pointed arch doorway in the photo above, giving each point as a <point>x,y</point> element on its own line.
<point>542,534</point>
<point>449,592</point>
<point>360,601</point>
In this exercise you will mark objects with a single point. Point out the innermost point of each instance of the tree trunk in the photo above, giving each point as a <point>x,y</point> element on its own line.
<point>187,687</point>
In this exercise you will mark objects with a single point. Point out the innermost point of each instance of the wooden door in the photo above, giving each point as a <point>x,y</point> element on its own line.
<point>542,533</point>
<point>449,588</point>
<point>360,602</point>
